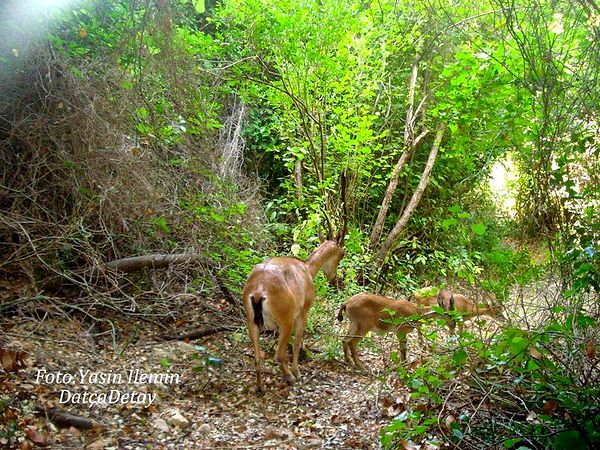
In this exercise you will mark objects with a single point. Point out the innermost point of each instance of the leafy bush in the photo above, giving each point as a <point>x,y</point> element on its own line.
<point>526,389</point>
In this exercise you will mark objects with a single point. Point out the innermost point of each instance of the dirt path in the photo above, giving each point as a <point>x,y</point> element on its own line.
<point>213,404</point>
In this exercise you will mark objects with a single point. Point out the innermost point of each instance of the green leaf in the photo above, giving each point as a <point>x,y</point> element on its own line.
<point>518,345</point>
<point>568,440</point>
<point>415,383</point>
<point>199,6</point>
<point>165,362</point>
<point>216,217</point>
<point>532,365</point>
<point>162,224</point>
<point>142,112</point>
<point>479,228</point>
<point>460,357</point>
<point>509,443</point>
<point>447,223</point>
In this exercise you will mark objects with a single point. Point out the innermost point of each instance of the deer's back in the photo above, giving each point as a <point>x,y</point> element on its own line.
<point>370,311</point>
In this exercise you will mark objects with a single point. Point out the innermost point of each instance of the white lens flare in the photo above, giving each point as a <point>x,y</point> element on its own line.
<point>24,24</point>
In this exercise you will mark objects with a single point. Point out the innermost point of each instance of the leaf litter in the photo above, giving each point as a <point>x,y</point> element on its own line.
<point>214,405</point>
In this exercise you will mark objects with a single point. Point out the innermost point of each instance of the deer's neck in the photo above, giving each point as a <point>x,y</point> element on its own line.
<point>318,258</point>
<point>481,311</point>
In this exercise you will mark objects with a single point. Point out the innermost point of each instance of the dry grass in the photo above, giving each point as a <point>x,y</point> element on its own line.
<point>79,188</point>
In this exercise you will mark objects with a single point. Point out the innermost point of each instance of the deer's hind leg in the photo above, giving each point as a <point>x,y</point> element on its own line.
<point>253,331</point>
<point>298,333</point>
<point>285,331</point>
<point>355,334</point>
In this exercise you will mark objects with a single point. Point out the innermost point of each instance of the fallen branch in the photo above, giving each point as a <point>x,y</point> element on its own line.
<point>160,261</point>
<point>65,419</point>
<point>154,261</point>
<point>196,334</point>
<point>59,282</point>
<point>227,295</point>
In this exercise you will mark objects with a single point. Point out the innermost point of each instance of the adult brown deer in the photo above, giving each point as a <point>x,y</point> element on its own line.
<point>278,294</point>
<point>451,301</point>
<point>468,309</point>
<point>368,312</point>
<point>426,296</point>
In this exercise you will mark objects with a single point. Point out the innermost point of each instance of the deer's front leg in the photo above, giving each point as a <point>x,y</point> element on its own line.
<point>401,335</point>
<point>299,332</point>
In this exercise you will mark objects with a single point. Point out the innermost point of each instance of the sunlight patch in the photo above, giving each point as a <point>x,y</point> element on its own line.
<point>503,185</point>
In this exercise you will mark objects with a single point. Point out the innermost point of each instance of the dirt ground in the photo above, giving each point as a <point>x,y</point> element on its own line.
<point>211,404</point>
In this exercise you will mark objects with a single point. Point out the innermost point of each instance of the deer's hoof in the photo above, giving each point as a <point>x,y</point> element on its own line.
<point>291,378</point>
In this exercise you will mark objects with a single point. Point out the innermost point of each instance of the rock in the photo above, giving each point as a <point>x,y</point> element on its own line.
<point>97,445</point>
<point>204,428</point>
<point>161,425</point>
<point>74,431</point>
<point>175,418</point>
<point>185,347</point>
<point>278,433</point>
<point>313,443</point>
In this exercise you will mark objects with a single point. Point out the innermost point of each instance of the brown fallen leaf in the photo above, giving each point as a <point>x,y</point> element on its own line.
<point>590,349</point>
<point>534,352</point>
<point>12,360</point>
<point>97,445</point>
<point>549,407</point>
<point>450,419</point>
<point>386,402</point>
<point>409,445</point>
<point>34,436</point>
<point>430,446</point>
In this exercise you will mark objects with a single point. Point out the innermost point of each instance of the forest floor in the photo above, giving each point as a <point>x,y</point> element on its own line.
<point>212,406</point>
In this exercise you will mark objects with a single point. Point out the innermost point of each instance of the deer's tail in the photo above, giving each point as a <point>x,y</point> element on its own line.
<point>340,315</point>
<point>257,307</point>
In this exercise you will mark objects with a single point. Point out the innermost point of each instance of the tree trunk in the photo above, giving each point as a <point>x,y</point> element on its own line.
<point>410,143</point>
<point>414,201</point>
<point>387,198</point>
<point>298,179</point>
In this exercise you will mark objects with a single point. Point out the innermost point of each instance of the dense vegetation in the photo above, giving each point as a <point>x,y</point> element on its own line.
<point>243,128</point>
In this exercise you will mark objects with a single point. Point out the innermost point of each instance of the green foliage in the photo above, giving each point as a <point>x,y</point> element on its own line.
<point>221,214</point>
<point>544,371</point>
